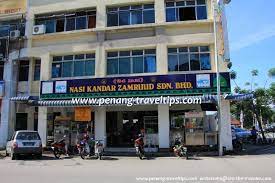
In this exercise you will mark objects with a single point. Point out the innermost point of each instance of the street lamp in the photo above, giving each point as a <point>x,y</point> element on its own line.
<point>214,10</point>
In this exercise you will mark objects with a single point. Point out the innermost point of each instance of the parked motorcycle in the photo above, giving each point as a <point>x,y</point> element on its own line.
<point>237,144</point>
<point>99,149</point>
<point>87,150</point>
<point>59,148</point>
<point>140,152</point>
<point>179,149</point>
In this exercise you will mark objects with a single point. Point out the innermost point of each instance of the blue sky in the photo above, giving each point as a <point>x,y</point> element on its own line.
<point>251,29</point>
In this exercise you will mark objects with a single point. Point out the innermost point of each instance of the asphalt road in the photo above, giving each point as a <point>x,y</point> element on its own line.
<point>128,169</point>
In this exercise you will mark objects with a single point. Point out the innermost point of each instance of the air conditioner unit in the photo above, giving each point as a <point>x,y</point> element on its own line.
<point>39,29</point>
<point>14,34</point>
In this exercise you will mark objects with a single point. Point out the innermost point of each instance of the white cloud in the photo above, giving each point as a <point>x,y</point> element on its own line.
<point>253,38</point>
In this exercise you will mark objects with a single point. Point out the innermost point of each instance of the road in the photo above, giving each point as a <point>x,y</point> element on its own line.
<point>126,169</point>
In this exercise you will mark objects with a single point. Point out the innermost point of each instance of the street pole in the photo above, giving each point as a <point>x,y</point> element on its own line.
<point>217,77</point>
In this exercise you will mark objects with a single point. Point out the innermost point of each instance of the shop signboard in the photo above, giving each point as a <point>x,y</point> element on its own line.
<point>193,115</point>
<point>83,114</point>
<point>135,86</point>
<point>12,6</point>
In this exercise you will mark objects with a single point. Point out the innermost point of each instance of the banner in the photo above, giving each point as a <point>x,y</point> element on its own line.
<point>155,85</point>
<point>12,6</point>
<point>83,114</point>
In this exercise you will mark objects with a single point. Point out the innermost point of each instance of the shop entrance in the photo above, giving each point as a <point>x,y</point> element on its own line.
<point>123,127</point>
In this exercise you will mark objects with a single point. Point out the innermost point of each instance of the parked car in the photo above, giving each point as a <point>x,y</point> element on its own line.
<point>242,133</point>
<point>24,142</point>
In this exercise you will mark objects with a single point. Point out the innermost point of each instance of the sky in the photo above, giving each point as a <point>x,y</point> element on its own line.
<point>251,31</point>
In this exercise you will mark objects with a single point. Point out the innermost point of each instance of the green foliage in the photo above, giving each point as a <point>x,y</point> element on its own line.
<point>271,72</point>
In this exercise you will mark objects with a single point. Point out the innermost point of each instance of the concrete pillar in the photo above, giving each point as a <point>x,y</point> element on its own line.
<point>100,124</point>
<point>162,53</point>
<point>160,11</point>
<point>100,64</point>
<point>42,124</point>
<point>7,123</point>
<point>163,126</point>
<point>45,74</point>
<point>226,136</point>
<point>30,111</point>
<point>101,18</point>
<point>31,72</point>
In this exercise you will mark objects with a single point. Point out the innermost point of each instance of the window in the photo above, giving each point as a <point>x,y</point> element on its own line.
<point>37,65</point>
<point>24,71</point>
<point>186,10</point>
<point>130,15</point>
<point>131,62</point>
<point>85,19</point>
<point>6,27</point>
<point>73,65</point>
<point>1,71</point>
<point>189,59</point>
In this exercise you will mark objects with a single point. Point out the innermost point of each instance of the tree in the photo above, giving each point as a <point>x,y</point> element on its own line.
<point>254,73</point>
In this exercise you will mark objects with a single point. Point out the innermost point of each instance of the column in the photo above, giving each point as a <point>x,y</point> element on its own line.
<point>164,127</point>
<point>160,11</point>
<point>30,111</point>
<point>226,136</point>
<point>45,74</point>
<point>100,124</point>
<point>162,55</point>
<point>8,112</point>
<point>101,15</point>
<point>31,72</point>
<point>100,64</point>
<point>42,124</point>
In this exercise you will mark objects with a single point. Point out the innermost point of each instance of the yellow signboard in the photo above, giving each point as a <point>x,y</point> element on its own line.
<point>12,6</point>
<point>83,114</point>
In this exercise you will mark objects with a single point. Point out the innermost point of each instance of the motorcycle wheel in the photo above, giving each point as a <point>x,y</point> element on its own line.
<point>56,154</point>
<point>83,154</point>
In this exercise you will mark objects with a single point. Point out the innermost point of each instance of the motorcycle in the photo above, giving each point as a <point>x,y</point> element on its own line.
<point>140,151</point>
<point>237,144</point>
<point>99,149</point>
<point>59,148</point>
<point>179,149</point>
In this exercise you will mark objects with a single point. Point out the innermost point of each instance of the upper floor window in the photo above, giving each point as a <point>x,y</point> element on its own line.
<point>23,71</point>
<point>189,59</point>
<point>131,62</point>
<point>36,76</point>
<point>73,65</point>
<point>186,10</point>
<point>130,15</point>
<point>7,27</point>
<point>68,21</point>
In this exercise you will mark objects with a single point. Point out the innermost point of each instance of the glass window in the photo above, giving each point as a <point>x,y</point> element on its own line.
<point>112,19</point>
<point>149,16</point>
<point>124,18</point>
<point>50,26</point>
<point>171,14</point>
<point>56,70</point>
<point>124,66</point>
<point>67,69</point>
<point>81,23</point>
<point>205,61</point>
<point>189,58</point>
<point>90,68</point>
<point>60,25</point>
<point>187,13</point>
<point>201,12</point>
<point>70,24</point>
<point>173,63</point>
<point>23,71</point>
<point>36,76</point>
<point>92,22</point>
<point>112,66</point>
<point>150,64</point>
<point>194,62</point>
<point>200,2</point>
<point>138,66</point>
<point>183,62</point>
<point>79,68</point>
<point>136,17</point>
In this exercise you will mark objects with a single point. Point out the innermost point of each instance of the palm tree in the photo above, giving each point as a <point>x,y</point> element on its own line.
<point>254,73</point>
<point>271,74</point>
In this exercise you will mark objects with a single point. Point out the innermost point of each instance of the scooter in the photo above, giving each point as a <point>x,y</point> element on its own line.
<point>99,149</point>
<point>59,148</point>
<point>140,151</point>
<point>237,144</point>
<point>85,150</point>
<point>179,149</point>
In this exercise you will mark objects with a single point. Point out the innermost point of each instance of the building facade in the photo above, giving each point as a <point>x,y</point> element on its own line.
<point>120,48</point>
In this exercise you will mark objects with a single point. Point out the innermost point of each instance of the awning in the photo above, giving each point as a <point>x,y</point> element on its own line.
<point>239,97</point>
<point>21,98</point>
<point>60,103</point>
